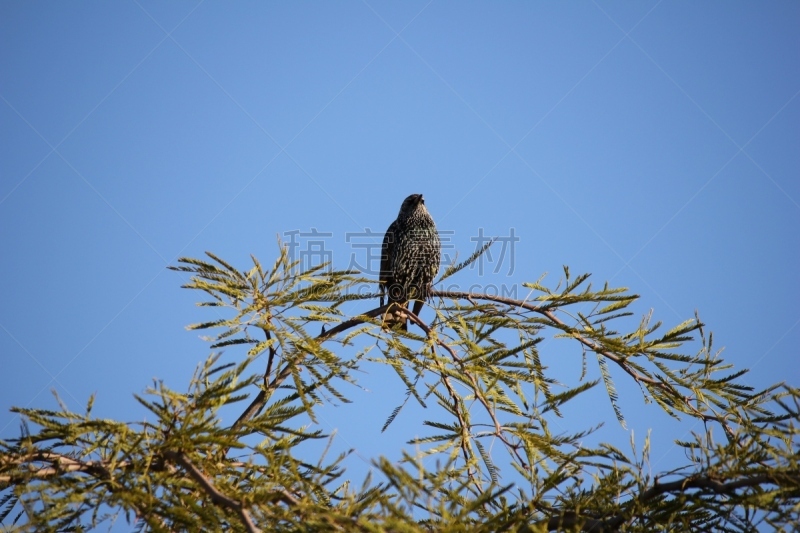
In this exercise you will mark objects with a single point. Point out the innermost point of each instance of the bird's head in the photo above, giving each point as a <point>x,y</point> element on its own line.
<point>412,204</point>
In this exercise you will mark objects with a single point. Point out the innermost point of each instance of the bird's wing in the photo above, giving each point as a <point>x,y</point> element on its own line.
<point>387,250</point>
<point>437,253</point>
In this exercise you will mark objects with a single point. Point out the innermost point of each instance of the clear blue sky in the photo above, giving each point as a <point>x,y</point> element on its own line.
<point>654,144</point>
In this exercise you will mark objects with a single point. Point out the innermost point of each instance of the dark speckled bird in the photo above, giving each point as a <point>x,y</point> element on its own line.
<point>409,257</point>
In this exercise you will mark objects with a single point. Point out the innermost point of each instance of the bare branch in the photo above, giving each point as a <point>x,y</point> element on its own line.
<point>709,484</point>
<point>55,464</point>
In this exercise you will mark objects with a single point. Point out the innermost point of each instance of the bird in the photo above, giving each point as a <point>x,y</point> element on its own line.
<point>410,257</point>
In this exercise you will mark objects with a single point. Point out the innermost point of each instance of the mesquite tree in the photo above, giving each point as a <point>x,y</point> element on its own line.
<point>476,367</point>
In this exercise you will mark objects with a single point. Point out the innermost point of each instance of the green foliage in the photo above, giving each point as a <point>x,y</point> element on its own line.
<point>476,368</point>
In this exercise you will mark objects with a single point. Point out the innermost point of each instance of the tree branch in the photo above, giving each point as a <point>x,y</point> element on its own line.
<point>558,323</point>
<point>475,389</point>
<point>707,483</point>
<point>260,400</point>
<point>704,483</point>
<point>57,464</point>
<point>216,496</point>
